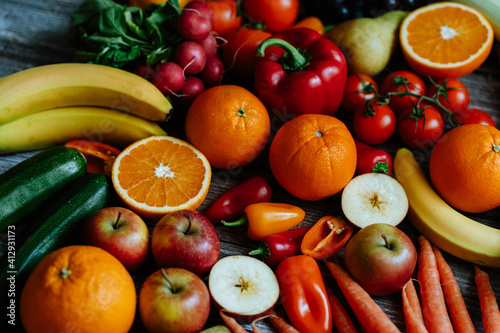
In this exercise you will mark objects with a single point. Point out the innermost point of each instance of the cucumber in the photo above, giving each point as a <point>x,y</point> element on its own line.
<point>56,225</point>
<point>33,182</point>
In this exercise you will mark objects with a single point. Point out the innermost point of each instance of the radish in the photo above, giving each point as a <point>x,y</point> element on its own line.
<point>210,45</point>
<point>168,77</point>
<point>195,21</point>
<point>144,71</point>
<point>213,72</point>
<point>191,57</point>
<point>193,86</point>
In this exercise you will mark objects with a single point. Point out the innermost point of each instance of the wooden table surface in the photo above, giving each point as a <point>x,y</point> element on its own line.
<point>33,33</point>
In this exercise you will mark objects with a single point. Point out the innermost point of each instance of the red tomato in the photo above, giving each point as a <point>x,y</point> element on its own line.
<point>474,116</point>
<point>397,82</point>
<point>238,54</point>
<point>375,124</point>
<point>420,129</point>
<point>277,15</point>
<point>226,18</point>
<point>358,89</point>
<point>451,93</point>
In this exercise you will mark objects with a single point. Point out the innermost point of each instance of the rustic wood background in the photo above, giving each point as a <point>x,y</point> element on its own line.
<point>33,33</point>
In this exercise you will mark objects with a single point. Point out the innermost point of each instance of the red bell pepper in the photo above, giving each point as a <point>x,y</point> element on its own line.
<point>274,248</point>
<point>326,237</point>
<point>100,156</point>
<point>300,72</point>
<point>303,294</point>
<point>232,203</point>
<point>371,159</point>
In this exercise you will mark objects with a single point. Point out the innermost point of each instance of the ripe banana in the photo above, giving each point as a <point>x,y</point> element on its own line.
<point>58,126</point>
<point>445,227</point>
<point>74,84</point>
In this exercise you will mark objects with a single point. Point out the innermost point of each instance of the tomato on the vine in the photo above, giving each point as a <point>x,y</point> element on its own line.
<point>400,82</point>
<point>374,124</point>
<point>358,89</point>
<point>277,15</point>
<point>451,93</point>
<point>226,17</point>
<point>474,116</point>
<point>420,127</point>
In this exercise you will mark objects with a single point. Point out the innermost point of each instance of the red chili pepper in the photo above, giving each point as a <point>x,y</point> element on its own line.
<point>303,294</point>
<point>326,237</point>
<point>301,72</point>
<point>372,159</point>
<point>100,156</point>
<point>274,248</point>
<point>232,203</point>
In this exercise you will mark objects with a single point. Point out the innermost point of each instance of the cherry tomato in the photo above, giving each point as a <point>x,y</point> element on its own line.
<point>358,89</point>
<point>420,128</point>
<point>474,116</point>
<point>451,93</point>
<point>397,82</point>
<point>238,54</point>
<point>277,15</point>
<point>100,156</point>
<point>226,17</point>
<point>374,124</point>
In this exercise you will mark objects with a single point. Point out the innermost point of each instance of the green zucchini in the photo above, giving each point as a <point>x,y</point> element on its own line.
<point>34,181</point>
<point>57,224</point>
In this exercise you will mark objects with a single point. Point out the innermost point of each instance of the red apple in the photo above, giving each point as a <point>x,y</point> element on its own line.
<point>185,239</point>
<point>381,258</point>
<point>120,232</point>
<point>174,300</point>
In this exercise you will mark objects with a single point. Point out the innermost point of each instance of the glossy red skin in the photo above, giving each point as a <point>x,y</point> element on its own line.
<point>415,85</point>
<point>474,116</point>
<point>232,203</point>
<point>377,128</point>
<point>326,237</point>
<point>277,15</point>
<point>458,97</point>
<point>354,96</point>
<point>303,294</point>
<point>225,16</point>
<point>213,72</point>
<point>191,57</point>
<point>193,86</point>
<point>99,156</point>
<point>368,157</point>
<point>422,136</point>
<point>196,24</point>
<point>317,89</point>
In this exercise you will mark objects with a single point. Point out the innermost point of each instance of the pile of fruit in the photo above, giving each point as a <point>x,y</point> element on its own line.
<point>110,194</point>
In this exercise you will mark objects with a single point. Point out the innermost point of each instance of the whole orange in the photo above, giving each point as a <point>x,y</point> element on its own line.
<point>465,167</point>
<point>78,289</point>
<point>229,125</point>
<point>313,156</point>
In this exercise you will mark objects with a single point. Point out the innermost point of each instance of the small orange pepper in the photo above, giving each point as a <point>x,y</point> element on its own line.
<point>267,218</point>
<point>326,237</point>
<point>100,156</point>
<point>311,22</point>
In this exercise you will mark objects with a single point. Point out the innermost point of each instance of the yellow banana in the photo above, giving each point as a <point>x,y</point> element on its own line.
<point>445,227</point>
<point>58,126</point>
<point>74,84</point>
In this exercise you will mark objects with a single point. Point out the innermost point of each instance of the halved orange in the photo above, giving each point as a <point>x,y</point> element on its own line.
<point>445,39</point>
<point>160,174</point>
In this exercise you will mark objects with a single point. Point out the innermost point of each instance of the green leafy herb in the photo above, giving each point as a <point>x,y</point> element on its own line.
<point>107,33</point>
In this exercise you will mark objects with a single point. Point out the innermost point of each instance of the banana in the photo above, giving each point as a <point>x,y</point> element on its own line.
<point>74,84</point>
<point>58,126</point>
<point>442,225</point>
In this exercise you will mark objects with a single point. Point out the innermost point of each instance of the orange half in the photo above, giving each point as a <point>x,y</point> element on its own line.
<point>445,39</point>
<point>159,174</point>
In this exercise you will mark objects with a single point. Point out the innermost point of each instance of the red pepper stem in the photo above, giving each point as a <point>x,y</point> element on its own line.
<point>262,250</point>
<point>293,60</point>
<point>242,221</point>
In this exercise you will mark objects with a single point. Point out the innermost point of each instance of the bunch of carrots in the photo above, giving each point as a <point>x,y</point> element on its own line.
<point>443,308</point>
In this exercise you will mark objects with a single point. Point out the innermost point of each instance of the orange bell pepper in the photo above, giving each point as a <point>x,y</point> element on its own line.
<point>326,237</point>
<point>311,22</point>
<point>267,218</point>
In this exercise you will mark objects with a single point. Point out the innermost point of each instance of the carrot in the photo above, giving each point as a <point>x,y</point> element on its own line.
<point>230,322</point>
<point>414,320</point>
<point>462,323</point>
<point>278,322</point>
<point>487,300</point>
<point>369,314</point>
<point>433,304</point>
<point>340,316</point>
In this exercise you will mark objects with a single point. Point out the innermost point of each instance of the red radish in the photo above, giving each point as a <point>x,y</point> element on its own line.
<point>168,77</point>
<point>191,57</point>
<point>193,86</point>
<point>210,45</point>
<point>195,21</point>
<point>144,71</point>
<point>213,72</point>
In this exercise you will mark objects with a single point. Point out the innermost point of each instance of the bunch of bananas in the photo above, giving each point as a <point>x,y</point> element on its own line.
<point>445,227</point>
<point>49,105</point>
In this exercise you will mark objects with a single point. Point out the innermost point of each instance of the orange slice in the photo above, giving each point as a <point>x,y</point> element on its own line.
<point>445,39</point>
<point>161,174</point>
